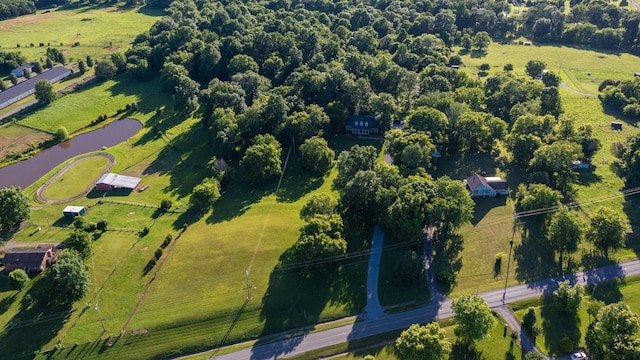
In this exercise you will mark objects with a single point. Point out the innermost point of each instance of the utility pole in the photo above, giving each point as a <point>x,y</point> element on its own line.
<point>249,295</point>
<point>506,278</point>
<point>104,329</point>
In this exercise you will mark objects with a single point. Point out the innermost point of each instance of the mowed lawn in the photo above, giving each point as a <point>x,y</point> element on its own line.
<point>83,172</point>
<point>494,347</point>
<point>582,69</point>
<point>77,110</point>
<point>556,326</point>
<point>99,31</point>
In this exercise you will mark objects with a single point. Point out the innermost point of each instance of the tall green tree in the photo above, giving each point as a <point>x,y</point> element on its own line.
<point>427,342</point>
<point>607,230</point>
<point>534,68</point>
<point>564,233</point>
<point>14,207</point>
<point>261,162</point>
<point>556,160</point>
<point>80,241</point>
<point>68,278</point>
<point>44,92</point>
<point>318,204</point>
<point>349,162</point>
<point>206,194</point>
<point>472,316</point>
<point>612,335</point>
<point>316,156</point>
<point>568,298</point>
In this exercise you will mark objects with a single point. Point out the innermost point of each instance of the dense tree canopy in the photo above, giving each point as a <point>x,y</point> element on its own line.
<point>67,278</point>
<point>427,342</point>
<point>612,335</point>
<point>262,160</point>
<point>607,230</point>
<point>472,316</point>
<point>14,207</point>
<point>565,232</point>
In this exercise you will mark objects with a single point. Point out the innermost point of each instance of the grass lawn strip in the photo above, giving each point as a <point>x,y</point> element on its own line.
<point>556,326</point>
<point>98,31</point>
<point>83,171</point>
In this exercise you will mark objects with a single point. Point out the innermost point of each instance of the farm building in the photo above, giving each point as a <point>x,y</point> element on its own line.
<point>22,90</point>
<point>71,212</point>
<point>19,71</point>
<point>111,181</point>
<point>616,125</point>
<point>481,186</point>
<point>29,260</point>
<point>362,125</point>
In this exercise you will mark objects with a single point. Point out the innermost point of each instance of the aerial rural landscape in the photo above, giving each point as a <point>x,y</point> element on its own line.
<point>262,179</point>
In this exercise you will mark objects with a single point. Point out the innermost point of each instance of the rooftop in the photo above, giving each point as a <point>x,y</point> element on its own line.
<point>121,181</point>
<point>27,85</point>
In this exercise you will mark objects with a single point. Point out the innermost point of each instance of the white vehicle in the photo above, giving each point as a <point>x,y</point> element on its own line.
<point>578,355</point>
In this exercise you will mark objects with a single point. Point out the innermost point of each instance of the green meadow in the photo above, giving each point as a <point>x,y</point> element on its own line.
<point>196,296</point>
<point>99,31</point>
<point>83,172</point>
<point>556,326</point>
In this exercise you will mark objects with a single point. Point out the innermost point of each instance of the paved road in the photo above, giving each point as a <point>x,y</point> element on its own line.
<point>373,309</point>
<point>433,311</point>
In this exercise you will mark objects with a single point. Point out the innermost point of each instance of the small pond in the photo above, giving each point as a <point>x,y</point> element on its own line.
<point>25,173</point>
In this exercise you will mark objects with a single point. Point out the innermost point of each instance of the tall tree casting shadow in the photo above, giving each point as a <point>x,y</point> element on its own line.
<point>557,325</point>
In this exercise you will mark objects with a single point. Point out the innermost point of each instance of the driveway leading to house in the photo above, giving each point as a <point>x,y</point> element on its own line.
<point>374,309</point>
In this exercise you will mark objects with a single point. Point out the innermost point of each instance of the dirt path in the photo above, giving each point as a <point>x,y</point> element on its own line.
<point>40,193</point>
<point>566,86</point>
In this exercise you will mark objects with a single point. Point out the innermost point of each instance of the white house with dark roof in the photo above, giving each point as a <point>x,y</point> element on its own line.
<point>481,186</point>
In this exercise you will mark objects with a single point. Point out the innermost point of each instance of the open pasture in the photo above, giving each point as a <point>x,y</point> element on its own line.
<point>98,31</point>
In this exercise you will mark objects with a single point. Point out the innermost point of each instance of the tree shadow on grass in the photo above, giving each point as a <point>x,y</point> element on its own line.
<point>294,300</point>
<point>557,325</point>
<point>463,166</point>
<point>587,177</point>
<point>484,206</point>
<point>34,326</point>
<point>599,287</point>
<point>236,200</point>
<point>447,261</point>
<point>533,258</point>
<point>465,350</point>
<point>297,183</point>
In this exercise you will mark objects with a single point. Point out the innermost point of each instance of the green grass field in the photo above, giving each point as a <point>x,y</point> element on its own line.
<point>494,347</point>
<point>78,109</point>
<point>16,138</point>
<point>556,326</point>
<point>83,172</point>
<point>572,64</point>
<point>99,31</point>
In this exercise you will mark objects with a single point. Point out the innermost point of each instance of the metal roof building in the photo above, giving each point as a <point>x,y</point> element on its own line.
<point>22,90</point>
<point>110,181</point>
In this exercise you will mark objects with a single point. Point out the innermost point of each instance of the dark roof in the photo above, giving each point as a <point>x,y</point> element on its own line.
<point>27,85</point>
<point>363,122</point>
<point>25,257</point>
<point>25,66</point>
<point>499,185</point>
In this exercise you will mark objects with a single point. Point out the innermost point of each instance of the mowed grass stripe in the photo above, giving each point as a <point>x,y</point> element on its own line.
<point>79,176</point>
<point>98,30</point>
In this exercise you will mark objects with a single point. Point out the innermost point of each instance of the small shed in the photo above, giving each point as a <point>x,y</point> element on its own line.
<point>111,181</point>
<point>616,125</point>
<point>580,164</point>
<point>71,212</point>
<point>637,74</point>
<point>19,71</point>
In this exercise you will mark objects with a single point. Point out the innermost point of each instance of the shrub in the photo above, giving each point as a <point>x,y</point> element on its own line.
<point>485,66</point>
<point>166,204</point>
<point>566,345</point>
<point>90,227</point>
<point>19,279</point>
<point>144,231</point>
<point>79,222</point>
<point>167,240</point>
<point>158,253</point>
<point>102,225</point>
<point>529,320</point>
<point>508,67</point>
<point>618,149</point>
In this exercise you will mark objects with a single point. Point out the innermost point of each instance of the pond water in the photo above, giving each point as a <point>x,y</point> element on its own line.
<point>25,173</point>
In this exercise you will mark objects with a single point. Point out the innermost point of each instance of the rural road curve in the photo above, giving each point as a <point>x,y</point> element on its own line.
<point>433,311</point>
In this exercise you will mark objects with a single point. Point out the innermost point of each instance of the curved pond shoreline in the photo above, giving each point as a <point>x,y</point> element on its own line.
<point>26,172</point>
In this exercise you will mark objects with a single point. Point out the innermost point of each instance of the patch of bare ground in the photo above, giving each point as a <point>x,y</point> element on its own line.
<point>27,19</point>
<point>22,143</point>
